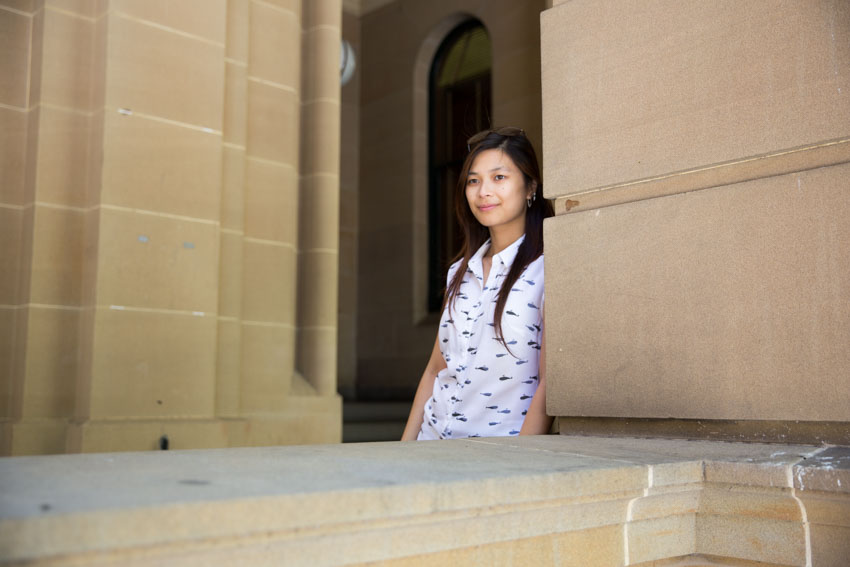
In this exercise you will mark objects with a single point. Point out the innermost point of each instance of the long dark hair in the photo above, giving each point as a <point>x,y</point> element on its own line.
<point>516,145</point>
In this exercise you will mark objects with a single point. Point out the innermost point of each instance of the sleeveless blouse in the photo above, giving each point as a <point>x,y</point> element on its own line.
<point>486,388</point>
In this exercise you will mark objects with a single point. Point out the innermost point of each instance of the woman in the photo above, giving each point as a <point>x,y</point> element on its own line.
<point>485,376</point>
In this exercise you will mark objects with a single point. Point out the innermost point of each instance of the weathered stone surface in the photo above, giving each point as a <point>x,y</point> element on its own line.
<point>637,500</point>
<point>724,304</point>
<point>654,92</point>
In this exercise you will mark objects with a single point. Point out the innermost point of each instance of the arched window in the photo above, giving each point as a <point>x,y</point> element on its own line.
<point>459,89</point>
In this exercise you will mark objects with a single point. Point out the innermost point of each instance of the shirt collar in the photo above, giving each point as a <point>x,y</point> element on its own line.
<point>504,258</point>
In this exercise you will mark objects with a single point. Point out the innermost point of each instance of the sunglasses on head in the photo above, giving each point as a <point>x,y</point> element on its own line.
<point>504,131</point>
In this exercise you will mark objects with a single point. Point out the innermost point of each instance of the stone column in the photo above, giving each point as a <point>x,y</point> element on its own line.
<point>152,253</point>
<point>149,226</point>
<point>48,104</point>
<point>318,237</point>
<point>270,202</point>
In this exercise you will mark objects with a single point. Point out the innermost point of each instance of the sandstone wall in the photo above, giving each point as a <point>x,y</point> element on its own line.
<point>169,233</point>
<point>698,154</point>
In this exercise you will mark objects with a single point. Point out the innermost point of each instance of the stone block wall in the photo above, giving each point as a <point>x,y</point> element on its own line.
<point>698,155</point>
<point>169,236</point>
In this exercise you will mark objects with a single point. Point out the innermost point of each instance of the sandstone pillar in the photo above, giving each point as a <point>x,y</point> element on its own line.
<point>697,269</point>
<point>49,106</point>
<point>318,266</point>
<point>151,217</point>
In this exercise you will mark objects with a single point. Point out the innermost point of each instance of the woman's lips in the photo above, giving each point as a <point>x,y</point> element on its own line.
<point>485,208</point>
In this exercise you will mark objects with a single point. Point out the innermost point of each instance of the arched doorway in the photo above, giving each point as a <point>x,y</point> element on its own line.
<point>459,106</point>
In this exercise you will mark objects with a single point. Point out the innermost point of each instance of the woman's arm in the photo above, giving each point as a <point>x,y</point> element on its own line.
<point>423,392</point>
<point>536,421</point>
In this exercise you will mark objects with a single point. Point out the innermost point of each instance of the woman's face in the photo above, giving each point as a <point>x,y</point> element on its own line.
<point>497,193</point>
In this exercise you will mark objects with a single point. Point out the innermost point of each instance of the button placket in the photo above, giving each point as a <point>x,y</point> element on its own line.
<point>467,331</point>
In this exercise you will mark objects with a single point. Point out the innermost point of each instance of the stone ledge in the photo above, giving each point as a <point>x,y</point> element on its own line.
<point>640,500</point>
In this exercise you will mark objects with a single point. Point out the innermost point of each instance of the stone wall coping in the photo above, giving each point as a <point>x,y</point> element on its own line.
<point>326,503</point>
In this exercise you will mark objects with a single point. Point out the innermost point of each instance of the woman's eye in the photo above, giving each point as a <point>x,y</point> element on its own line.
<point>471,181</point>
<point>499,177</point>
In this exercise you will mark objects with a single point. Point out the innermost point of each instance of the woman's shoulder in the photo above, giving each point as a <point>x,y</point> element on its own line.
<point>533,272</point>
<point>536,264</point>
<point>453,269</point>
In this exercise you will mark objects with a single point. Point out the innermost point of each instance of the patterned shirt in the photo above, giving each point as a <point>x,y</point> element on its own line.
<point>487,386</point>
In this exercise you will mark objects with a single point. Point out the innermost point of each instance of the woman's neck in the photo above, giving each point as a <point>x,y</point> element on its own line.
<point>501,239</point>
